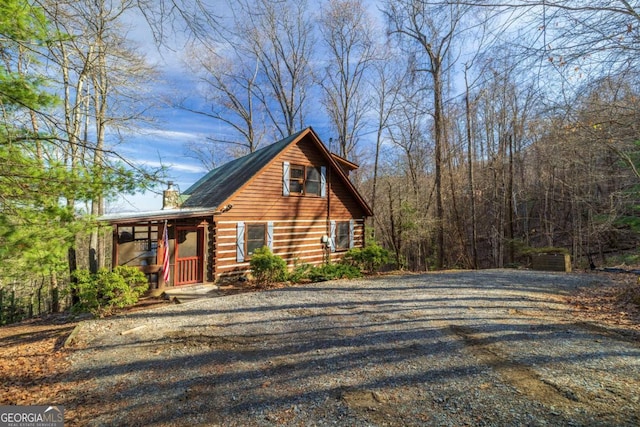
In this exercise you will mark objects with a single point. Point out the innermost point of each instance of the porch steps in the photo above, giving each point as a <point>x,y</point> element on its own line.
<point>183,294</point>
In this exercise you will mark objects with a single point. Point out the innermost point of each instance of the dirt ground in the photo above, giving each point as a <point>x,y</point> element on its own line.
<point>33,359</point>
<point>34,364</point>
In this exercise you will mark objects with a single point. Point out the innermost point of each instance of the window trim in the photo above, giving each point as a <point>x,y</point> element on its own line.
<point>264,225</point>
<point>347,235</point>
<point>318,181</point>
<point>288,180</point>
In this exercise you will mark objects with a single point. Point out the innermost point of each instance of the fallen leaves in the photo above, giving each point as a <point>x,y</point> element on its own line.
<point>615,302</point>
<point>32,363</point>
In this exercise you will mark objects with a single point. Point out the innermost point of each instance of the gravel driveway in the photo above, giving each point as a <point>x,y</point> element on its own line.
<point>493,347</point>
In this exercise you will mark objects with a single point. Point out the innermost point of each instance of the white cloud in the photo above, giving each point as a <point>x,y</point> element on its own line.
<point>173,134</point>
<point>175,167</point>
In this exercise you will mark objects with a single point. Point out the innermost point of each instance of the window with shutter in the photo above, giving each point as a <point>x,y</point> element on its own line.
<point>312,183</point>
<point>304,180</point>
<point>296,179</point>
<point>343,235</point>
<point>256,238</point>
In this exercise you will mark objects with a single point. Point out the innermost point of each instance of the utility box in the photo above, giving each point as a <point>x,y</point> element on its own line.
<point>551,262</point>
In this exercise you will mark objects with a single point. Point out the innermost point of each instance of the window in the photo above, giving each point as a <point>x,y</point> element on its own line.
<point>312,183</point>
<point>137,233</point>
<point>137,244</point>
<point>342,235</point>
<point>303,180</point>
<point>255,237</point>
<point>296,179</point>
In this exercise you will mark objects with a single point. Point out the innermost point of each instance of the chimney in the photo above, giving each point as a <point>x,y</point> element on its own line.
<point>170,197</point>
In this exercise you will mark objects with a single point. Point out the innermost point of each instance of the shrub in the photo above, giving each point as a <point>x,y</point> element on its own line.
<point>370,258</point>
<point>267,267</point>
<point>332,272</point>
<point>135,278</point>
<point>300,273</point>
<point>105,290</point>
<point>529,251</point>
<point>308,272</point>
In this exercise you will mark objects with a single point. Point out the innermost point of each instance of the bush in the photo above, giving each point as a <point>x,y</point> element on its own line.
<point>135,278</point>
<point>334,271</point>
<point>370,258</point>
<point>529,251</point>
<point>266,267</point>
<point>300,273</point>
<point>308,272</point>
<point>105,290</point>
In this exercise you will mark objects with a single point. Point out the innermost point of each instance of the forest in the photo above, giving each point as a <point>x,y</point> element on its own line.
<point>485,131</point>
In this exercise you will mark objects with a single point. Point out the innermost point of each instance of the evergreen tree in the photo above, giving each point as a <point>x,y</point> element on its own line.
<point>38,225</point>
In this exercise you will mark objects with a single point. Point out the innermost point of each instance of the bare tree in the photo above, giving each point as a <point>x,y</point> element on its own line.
<point>101,79</point>
<point>195,19</point>
<point>386,82</point>
<point>228,83</point>
<point>347,31</point>
<point>253,76</point>
<point>581,195</point>
<point>431,28</point>
<point>279,36</point>
<point>600,33</point>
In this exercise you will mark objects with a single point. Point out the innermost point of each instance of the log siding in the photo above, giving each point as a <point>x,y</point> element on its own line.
<point>298,221</point>
<point>297,241</point>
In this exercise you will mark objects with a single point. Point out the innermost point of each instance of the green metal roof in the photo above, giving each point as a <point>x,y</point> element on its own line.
<point>220,183</point>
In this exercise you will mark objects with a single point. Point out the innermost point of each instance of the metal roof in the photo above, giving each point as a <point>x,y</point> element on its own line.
<point>155,216</point>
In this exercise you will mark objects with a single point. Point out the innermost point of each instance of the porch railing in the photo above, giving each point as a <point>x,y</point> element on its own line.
<point>188,271</point>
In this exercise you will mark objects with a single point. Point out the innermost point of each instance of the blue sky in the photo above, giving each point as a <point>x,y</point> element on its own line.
<point>161,143</point>
<point>164,142</point>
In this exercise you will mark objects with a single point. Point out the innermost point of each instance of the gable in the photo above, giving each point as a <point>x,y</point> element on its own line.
<point>264,167</point>
<point>222,182</point>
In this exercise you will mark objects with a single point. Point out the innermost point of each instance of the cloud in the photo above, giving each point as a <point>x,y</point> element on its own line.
<point>175,167</point>
<point>173,134</point>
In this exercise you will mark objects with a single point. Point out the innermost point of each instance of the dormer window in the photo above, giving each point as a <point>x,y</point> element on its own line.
<point>303,180</point>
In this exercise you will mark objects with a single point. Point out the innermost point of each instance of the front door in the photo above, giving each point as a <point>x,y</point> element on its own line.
<point>189,255</point>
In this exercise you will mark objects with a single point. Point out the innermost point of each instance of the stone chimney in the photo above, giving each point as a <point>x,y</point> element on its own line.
<point>170,197</point>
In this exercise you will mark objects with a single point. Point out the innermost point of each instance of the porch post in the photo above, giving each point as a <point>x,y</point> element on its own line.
<point>160,254</point>
<point>115,243</point>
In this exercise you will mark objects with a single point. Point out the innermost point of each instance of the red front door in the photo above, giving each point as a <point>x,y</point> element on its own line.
<point>189,255</point>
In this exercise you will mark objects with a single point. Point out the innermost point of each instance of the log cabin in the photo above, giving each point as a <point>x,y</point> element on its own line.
<point>293,196</point>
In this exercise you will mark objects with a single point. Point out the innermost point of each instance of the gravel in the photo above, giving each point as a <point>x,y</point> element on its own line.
<point>491,347</point>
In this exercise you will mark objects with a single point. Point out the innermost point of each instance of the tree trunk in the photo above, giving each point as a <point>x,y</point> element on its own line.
<point>509,205</point>
<point>439,141</point>
<point>470,182</point>
<point>73,266</point>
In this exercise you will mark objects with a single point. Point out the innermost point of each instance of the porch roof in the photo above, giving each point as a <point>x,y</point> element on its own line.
<point>156,216</point>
